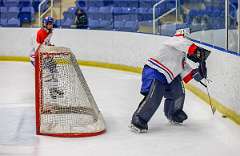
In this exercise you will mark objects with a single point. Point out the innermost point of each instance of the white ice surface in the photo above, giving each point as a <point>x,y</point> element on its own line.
<point>117,96</point>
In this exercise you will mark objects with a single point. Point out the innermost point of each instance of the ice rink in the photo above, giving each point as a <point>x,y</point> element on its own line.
<point>117,96</point>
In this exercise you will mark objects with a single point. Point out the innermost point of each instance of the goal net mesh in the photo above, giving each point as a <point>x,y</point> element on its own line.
<point>64,103</point>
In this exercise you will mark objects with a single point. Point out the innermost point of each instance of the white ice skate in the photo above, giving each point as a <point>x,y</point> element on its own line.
<point>175,123</point>
<point>136,129</point>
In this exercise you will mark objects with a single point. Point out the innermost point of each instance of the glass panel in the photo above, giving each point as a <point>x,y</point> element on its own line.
<point>233,24</point>
<point>192,15</point>
<point>206,18</point>
<point>216,22</point>
<point>166,13</point>
<point>65,13</point>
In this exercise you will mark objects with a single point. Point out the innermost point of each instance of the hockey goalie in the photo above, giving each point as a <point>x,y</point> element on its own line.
<point>162,76</point>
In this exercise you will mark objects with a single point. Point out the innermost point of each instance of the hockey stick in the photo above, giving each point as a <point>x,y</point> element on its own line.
<point>209,98</point>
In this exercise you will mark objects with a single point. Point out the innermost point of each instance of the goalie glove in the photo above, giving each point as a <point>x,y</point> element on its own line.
<point>200,72</point>
<point>197,54</point>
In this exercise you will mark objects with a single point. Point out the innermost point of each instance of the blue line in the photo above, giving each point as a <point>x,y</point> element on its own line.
<point>216,47</point>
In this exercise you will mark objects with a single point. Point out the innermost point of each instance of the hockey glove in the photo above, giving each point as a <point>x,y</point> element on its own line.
<point>200,72</point>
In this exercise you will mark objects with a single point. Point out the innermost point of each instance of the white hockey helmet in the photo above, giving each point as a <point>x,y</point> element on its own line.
<point>183,32</point>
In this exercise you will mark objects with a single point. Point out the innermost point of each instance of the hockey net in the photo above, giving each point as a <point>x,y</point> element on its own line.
<point>64,104</point>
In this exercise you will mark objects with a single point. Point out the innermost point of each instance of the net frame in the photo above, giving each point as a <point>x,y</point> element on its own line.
<point>39,99</point>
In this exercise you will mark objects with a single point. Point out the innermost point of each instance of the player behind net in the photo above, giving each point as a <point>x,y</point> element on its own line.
<point>162,76</point>
<point>43,37</point>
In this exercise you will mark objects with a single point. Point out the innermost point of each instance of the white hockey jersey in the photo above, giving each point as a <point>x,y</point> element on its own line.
<point>171,59</point>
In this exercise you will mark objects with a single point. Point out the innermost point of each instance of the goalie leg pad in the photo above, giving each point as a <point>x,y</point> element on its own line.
<point>179,116</point>
<point>175,96</point>
<point>148,105</point>
<point>138,124</point>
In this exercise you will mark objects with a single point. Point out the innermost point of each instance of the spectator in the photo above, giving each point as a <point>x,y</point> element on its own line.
<point>81,20</point>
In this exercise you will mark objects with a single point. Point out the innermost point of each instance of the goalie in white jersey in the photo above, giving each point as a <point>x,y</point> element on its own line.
<point>162,76</point>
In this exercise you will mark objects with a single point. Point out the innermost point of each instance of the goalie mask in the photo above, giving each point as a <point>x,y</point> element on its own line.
<point>183,32</point>
<point>197,54</point>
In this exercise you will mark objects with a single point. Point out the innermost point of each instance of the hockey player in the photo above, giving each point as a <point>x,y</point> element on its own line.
<point>43,38</point>
<point>162,76</point>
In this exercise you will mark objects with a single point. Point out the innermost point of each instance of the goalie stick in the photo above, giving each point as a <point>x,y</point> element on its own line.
<point>209,98</point>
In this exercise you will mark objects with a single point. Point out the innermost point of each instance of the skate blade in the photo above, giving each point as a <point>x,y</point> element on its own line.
<point>137,130</point>
<point>175,123</point>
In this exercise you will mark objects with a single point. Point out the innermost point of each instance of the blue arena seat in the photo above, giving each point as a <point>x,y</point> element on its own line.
<point>27,14</point>
<point>120,17</point>
<point>72,10</point>
<point>117,10</point>
<point>68,14</point>
<point>57,23</point>
<point>67,23</point>
<point>13,22</point>
<point>126,17</point>
<point>93,13</point>
<point>145,14</point>
<point>95,3</point>
<point>147,3</point>
<point>81,3</point>
<point>93,10</point>
<point>106,10</point>
<point>25,3</point>
<point>11,3</point>
<point>3,22</point>
<point>118,3</point>
<point>13,12</point>
<point>108,2</point>
<point>129,10</point>
<point>1,3</point>
<point>106,24</point>
<point>92,23</point>
<point>132,3</point>
<point>131,26</point>
<point>106,13</point>
<point>119,25</point>
<point>3,12</point>
<point>35,4</point>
